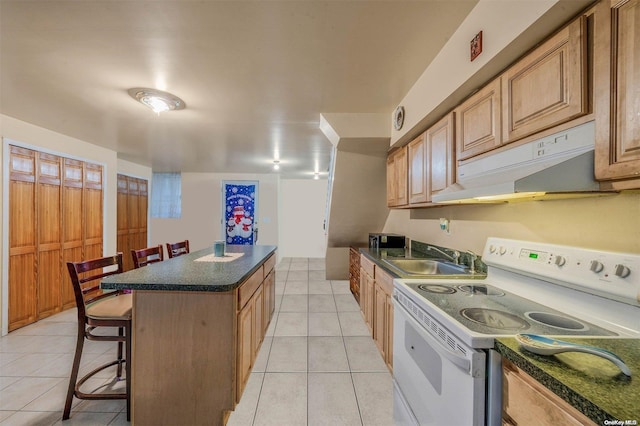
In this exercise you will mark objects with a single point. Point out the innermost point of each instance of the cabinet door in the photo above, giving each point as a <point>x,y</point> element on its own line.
<point>401,177</point>
<point>245,350</point>
<point>391,182</point>
<point>258,320</point>
<point>269,300</point>
<point>527,402</point>
<point>617,82</point>
<point>440,157</point>
<point>548,86</point>
<point>366,298</point>
<point>379,315</point>
<point>478,123</point>
<point>418,172</point>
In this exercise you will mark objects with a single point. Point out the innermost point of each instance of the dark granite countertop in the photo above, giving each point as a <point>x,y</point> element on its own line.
<point>591,384</point>
<point>183,273</point>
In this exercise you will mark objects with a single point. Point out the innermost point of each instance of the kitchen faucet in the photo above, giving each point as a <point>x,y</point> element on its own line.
<point>454,257</point>
<point>472,260</point>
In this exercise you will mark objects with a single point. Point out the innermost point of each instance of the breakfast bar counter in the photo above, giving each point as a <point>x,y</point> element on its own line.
<point>198,323</point>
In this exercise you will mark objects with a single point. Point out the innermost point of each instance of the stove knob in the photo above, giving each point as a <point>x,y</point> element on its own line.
<point>492,248</point>
<point>503,250</point>
<point>561,260</point>
<point>596,266</point>
<point>622,271</point>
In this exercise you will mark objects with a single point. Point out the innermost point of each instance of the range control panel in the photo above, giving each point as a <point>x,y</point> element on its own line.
<point>609,274</point>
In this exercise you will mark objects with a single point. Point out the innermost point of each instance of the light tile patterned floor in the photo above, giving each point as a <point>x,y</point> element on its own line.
<point>317,365</point>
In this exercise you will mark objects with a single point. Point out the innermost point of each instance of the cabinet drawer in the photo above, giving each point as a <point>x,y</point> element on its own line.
<point>385,281</point>
<point>269,264</point>
<point>247,288</point>
<point>367,265</point>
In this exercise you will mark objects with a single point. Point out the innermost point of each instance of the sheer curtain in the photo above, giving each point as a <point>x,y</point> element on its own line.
<point>166,195</point>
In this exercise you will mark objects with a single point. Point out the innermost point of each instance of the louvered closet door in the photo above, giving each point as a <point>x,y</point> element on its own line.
<point>143,195</point>
<point>93,209</point>
<point>123,222</point>
<point>133,213</point>
<point>49,220</point>
<point>72,224</point>
<point>22,237</point>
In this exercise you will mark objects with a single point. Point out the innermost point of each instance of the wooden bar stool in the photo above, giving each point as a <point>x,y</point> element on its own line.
<point>178,249</point>
<point>98,309</point>
<point>145,256</point>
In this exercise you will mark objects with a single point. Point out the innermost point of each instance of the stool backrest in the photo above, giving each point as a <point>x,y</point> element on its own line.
<point>178,249</point>
<point>145,256</point>
<point>85,278</point>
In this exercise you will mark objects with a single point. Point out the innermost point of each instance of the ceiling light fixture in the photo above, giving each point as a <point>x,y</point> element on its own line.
<point>316,176</point>
<point>157,100</point>
<point>276,165</point>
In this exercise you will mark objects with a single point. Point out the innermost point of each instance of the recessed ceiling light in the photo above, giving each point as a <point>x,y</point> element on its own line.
<point>276,165</point>
<point>157,100</point>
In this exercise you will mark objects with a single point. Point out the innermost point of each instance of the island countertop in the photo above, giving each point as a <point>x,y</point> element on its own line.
<point>186,273</point>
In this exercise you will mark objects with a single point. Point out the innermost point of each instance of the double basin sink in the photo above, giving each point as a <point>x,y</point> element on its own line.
<point>435,268</point>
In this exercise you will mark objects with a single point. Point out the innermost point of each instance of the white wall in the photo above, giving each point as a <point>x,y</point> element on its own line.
<point>602,223</point>
<point>302,217</point>
<point>202,211</point>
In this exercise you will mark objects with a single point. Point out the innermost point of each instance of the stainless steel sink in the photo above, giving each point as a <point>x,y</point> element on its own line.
<point>427,267</point>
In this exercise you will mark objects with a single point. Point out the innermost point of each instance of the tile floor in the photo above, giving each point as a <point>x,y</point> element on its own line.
<point>317,364</point>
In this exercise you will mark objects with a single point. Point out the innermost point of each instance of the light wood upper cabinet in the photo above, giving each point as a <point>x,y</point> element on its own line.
<point>431,161</point>
<point>478,123</point>
<point>440,155</point>
<point>397,179</point>
<point>616,86</point>
<point>548,86</point>
<point>418,176</point>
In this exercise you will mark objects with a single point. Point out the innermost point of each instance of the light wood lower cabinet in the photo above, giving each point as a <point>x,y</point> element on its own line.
<point>376,303</point>
<point>525,401</point>
<point>256,304</point>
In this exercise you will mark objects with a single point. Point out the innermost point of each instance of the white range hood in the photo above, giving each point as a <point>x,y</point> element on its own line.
<point>562,163</point>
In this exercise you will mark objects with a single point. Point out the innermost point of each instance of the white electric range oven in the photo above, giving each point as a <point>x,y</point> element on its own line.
<point>444,368</point>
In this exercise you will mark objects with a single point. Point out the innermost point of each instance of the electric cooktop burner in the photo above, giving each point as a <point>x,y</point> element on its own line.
<point>495,319</point>
<point>433,288</point>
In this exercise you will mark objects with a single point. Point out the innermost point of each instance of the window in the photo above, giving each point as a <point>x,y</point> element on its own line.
<point>166,195</point>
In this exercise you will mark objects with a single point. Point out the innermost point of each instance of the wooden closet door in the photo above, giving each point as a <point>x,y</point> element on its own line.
<point>133,213</point>
<point>22,237</point>
<point>92,211</point>
<point>49,220</point>
<point>142,212</point>
<point>123,222</point>
<point>72,224</point>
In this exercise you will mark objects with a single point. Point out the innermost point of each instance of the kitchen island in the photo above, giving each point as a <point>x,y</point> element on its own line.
<point>198,322</point>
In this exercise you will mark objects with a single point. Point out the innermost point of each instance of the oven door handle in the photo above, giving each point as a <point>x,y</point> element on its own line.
<point>460,361</point>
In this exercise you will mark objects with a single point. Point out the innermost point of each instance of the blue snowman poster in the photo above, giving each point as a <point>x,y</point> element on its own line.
<point>240,204</point>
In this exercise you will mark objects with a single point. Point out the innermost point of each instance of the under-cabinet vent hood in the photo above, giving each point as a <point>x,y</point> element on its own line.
<point>558,165</point>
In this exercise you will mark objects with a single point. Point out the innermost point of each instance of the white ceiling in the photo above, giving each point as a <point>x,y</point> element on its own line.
<point>255,75</point>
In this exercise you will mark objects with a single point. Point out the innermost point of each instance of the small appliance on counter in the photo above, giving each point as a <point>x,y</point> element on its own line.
<point>379,241</point>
